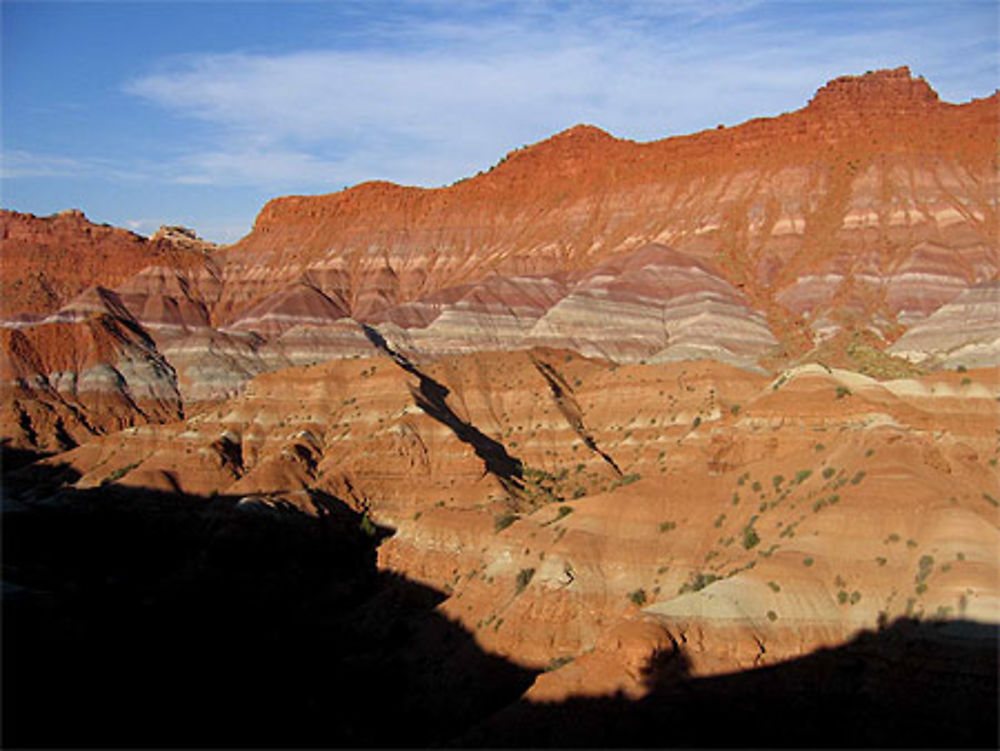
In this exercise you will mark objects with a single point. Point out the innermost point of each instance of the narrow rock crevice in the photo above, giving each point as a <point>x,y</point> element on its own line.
<point>760,655</point>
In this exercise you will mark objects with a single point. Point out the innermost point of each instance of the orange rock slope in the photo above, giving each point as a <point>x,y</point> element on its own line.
<point>46,261</point>
<point>582,514</point>
<point>732,394</point>
<point>861,217</point>
<point>79,344</point>
<point>826,217</point>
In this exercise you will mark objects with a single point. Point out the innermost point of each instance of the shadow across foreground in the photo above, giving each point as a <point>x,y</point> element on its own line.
<point>910,684</point>
<point>135,618</point>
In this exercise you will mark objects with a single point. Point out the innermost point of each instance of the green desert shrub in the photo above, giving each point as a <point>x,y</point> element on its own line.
<point>558,662</point>
<point>638,597</point>
<point>522,580</point>
<point>699,580</point>
<point>504,520</point>
<point>368,527</point>
<point>119,473</point>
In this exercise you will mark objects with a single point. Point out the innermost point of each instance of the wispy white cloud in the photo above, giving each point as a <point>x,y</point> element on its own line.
<point>428,91</point>
<point>20,163</point>
<point>254,166</point>
<point>142,226</point>
<point>432,101</point>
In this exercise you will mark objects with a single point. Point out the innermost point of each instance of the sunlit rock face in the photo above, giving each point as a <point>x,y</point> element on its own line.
<point>652,303</point>
<point>497,313</point>
<point>751,518</point>
<point>867,212</point>
<point>658,304</point>
<point>47,261</point>
<point>867,209</point>
<point>638,417</point>
<point>965,331</point>
<point>83,371</point>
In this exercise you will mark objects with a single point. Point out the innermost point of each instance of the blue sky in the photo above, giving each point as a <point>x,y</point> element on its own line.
<point>148,113</point>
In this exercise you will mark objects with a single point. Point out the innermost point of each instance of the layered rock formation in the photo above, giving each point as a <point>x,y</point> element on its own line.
<point>47,261</point>
<point>611,400</point>
<point>84,371</point>
<point>961,333</point>
<point>552,497</point>
<point>819,214</point>
<point>653,303</point>
<point>88,309</point>
<point>862,214</point>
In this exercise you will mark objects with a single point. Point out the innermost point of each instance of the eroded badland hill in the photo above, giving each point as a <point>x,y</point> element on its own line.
<point>572,452</point>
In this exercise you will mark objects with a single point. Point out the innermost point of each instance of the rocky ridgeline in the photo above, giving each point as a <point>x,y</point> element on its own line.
<point>783,233</point>
<point>638,431</point>
<point>182,237</point>
<point>886,92</point>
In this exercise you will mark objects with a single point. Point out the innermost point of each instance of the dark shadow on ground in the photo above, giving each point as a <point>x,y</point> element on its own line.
<point>13,458</point>
<point>134,618</point>
<point>910,684</point>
